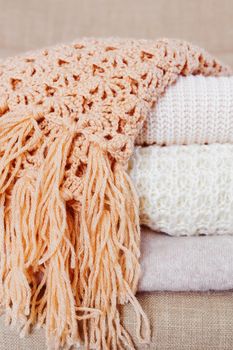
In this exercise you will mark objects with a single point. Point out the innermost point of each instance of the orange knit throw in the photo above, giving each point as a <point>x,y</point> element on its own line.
<point>69,223</point>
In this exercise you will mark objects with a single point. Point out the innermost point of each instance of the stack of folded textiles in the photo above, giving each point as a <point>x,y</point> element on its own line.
<point>183,172</point>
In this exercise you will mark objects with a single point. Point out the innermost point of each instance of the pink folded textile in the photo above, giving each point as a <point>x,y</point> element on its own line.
<point>199,263</point>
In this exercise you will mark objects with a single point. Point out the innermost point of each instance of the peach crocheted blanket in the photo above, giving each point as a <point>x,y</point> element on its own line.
<point>69,223</point>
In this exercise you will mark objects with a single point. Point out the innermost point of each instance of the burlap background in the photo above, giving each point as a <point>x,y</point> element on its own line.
<point>179,321</point>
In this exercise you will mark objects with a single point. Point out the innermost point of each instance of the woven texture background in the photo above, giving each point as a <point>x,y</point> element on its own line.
<point>29,24</point>
<point>180,321</point>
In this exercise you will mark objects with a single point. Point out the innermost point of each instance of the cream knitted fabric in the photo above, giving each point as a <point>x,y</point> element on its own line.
<point>195,110</point>
<point>185,190</point>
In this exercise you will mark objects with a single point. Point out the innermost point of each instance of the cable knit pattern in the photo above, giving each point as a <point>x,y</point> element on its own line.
<point>196,109</point>
<point>185,190</point>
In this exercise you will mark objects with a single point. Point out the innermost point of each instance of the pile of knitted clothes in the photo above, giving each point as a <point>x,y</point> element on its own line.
<point>71,118</point>
<point>183,172</point>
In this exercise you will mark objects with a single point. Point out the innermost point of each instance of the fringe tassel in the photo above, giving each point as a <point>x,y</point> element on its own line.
<point>109,251</point>
<point>17,135</point>
<point>62,268</point>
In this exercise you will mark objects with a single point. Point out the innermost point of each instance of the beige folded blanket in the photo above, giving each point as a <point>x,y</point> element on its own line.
<point>199,263</point>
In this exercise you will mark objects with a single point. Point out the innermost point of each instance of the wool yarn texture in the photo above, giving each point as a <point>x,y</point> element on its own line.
<point>196,109</point>
<point>69,213</point>
<point>185,190</point>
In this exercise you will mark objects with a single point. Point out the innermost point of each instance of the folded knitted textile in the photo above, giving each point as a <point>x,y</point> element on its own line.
<point>185,190</point>
<point>196,109</point>
<point>198,263</point>
<point>69,215</point>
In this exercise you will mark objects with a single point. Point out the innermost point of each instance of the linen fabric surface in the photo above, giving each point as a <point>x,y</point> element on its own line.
<point>179,321</point>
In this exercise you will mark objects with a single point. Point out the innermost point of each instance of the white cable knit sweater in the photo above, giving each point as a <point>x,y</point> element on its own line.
<point>196,109</point>
<point>185,190</point>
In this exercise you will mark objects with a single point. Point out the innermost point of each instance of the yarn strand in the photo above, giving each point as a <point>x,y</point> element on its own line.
<point>53,269</point>
<point>14,134</point>
<point>109,240</point>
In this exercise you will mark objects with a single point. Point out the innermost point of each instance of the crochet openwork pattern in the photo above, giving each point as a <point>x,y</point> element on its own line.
<point>69,222</point>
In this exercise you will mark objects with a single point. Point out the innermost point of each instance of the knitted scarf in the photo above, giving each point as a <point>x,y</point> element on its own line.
<point>69,221</point>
